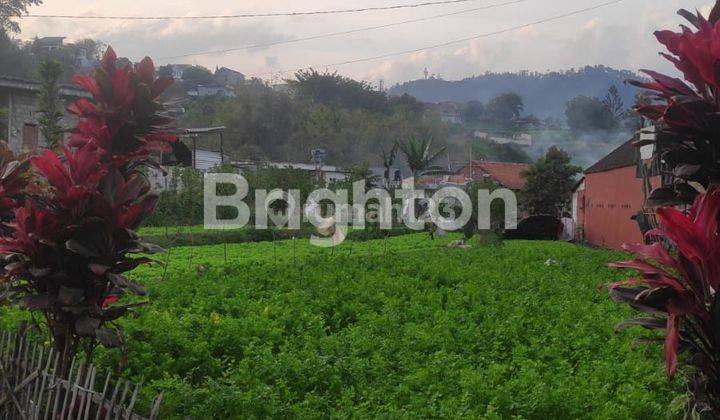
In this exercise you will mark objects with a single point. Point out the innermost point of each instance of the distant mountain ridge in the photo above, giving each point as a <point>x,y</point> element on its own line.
<point>544,94</point>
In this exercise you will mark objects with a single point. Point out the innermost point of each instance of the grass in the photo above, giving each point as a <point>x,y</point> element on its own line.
<point>419,331</point>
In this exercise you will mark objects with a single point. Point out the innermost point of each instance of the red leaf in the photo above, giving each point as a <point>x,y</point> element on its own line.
<point>109,60</point>
<point>715,13</point>
<point>88,83</point>
<point>680,229</point>
<point>145,71</point>
<point>160,85</point>
<point>655,251</point>
<point>670,84</point>
<point>109,301</point>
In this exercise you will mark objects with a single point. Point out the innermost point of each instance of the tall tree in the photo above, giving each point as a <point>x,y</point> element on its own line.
<point>420,156</point>
<point>474,111</point>
<point>10,9</point>
<point>334,90</point>
<point>198,74</point>
<point>549,183</point>
<point>585,113</point>
<point>506,107</point>
<point>49,102</point>
<point>388,159</point>
<point>614,103</point>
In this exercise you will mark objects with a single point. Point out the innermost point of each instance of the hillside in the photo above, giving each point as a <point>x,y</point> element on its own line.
<point>544,94</point>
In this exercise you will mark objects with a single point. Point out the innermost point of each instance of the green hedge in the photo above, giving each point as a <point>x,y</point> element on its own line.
<point>194,235</point>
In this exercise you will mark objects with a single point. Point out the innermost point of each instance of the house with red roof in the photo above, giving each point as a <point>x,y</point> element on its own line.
<point>505,174</point>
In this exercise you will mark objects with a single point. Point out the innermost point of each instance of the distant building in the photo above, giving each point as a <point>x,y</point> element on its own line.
<point>185,153</point>
<point>505,174</point>
<point>282,88</point>
<point>609,202</point>
<point>178,70</point>
<point>519,139</point>
<point>450,112</point>
<point>201,91</point>
<point>175,107</point>
<point>228,77</point>
<point>329,173</point>
<point>19,98</point>
<point>49,43</point>
<point>394,176</point>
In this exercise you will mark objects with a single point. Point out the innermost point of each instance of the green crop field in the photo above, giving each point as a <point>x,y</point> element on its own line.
<point>396,328</point>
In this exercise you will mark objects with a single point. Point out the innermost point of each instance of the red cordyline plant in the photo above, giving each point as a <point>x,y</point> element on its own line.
<point>72,237</point>
<point>688,110</point>
<point>678,284</point>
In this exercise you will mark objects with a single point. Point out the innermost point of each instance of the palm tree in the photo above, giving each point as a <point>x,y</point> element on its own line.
<point>389,161</point>
<point>420,157</point>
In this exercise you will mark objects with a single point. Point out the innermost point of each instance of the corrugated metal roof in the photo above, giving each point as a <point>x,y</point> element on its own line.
<point>623,156</point>
<point>18,83</point>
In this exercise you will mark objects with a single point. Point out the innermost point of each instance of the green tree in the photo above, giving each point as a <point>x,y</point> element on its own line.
<point>497,207</point>
<point>506,107</point>
<point>10,9</point>
<point>420,156</point>
<point>336,91</point>
<point>49,102</point>
<point>585,113</point>
<point>474,111</point>
<point>198,74</point>
<point>549,183</point>
<point>614,103</point>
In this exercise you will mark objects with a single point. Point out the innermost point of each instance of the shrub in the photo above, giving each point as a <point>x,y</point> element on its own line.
<point>679,289</point>
<point>688,112</point>
<point>72,239</point>
<point>680,293</point>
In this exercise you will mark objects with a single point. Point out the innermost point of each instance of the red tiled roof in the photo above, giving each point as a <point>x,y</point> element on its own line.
<point>507,174</point>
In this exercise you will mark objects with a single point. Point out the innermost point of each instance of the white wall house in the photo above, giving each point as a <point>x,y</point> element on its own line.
<point>202,91</point>
<point>330,173</point>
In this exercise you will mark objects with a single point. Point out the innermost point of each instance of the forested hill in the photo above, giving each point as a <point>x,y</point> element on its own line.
<point>544,94</point>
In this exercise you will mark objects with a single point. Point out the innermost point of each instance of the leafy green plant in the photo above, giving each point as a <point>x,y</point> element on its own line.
<point>419,331</point>
<point>421,156</point>
<point>549,183</point>
<point>49,105</point>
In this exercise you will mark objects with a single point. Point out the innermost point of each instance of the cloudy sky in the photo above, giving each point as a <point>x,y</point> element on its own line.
<point>618,35</point>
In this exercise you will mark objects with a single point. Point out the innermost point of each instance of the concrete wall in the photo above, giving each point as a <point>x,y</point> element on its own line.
<point>22,108</point>
<point>611,199</point>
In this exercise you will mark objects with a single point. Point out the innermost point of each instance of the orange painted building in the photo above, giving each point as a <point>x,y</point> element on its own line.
<point>607,200</point>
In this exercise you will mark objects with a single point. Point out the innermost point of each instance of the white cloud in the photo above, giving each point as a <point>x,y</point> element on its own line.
<point>618,36</point>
